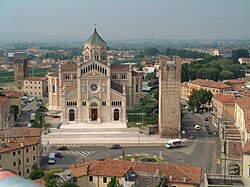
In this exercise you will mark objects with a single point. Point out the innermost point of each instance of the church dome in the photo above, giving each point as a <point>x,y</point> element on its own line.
<point>95,40</point>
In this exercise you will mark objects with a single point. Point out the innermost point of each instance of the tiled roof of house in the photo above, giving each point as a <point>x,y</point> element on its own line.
<point>246,148</point>
<point>71,88</point>
<point>210,84</point>
<point>11,94</point>
<point>119,168</point>
<point>40,182</point>
<point>3,100</point>
<point>16,136</point>
<point>237,81</point>
<point>36,78</point>
<point>117,87</point>
<point>225,98</point>
<point>120,67</point>
<point>69,67</point>
<point>244,104</point>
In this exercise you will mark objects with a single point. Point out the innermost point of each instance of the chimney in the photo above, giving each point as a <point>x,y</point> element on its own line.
<point>170,177</point>
<point>82,161</point>
<point>88,167</point>
<point>184,179</point>
<point>22,144</point>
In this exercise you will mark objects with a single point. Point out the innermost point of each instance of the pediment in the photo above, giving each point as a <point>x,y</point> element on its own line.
<point>93,73</point>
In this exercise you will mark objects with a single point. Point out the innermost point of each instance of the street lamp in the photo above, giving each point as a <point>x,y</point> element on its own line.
<point>139,148</point>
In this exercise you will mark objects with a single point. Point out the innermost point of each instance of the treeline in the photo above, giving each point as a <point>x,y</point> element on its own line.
<point>153,51</point>
<point>216,70</point>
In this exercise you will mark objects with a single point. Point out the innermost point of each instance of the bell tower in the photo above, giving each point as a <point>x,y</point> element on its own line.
<point>20,72</point>
<point>95,48</point>
<point>169,97</point>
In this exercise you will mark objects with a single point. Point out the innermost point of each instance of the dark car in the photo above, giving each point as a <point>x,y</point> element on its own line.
<point>62,148</point>
<point>191,136</point>
<point>58,155</point>
<point>115,146</point>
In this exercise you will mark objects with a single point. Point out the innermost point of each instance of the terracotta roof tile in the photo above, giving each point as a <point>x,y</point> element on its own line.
<point>237,81</point>
<point>71,88</point>
<point>69,67</point>
<point>119,168</point>
<point>40,182</point>
<point>225,98</point>
<point>121,67</point>
<point>12,94</point>
<point>36,78</point>
<point>16,136</point>
<point>210,84</point>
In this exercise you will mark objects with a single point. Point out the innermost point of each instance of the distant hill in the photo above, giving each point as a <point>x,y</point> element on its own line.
<point>36,37</point>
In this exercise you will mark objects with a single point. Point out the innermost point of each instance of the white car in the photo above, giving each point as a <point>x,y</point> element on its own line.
<point>197,127</point>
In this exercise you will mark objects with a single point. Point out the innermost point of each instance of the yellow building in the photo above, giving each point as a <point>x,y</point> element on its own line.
<point>215,88</point>
<point>20,149</point>
<point>223,108</point>
<point>35,86</point>
<point>98,173</point>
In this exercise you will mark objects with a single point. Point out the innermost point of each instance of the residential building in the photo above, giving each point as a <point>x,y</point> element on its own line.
<point>35,86</point>
<point>223,108</point>
<point>200,84</point>
<point>20,149</point>
<point>244,60</point>
<point>128,173</point>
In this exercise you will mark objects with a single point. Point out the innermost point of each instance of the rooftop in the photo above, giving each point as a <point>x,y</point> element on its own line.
<point>16,138</point>
<point>210,84</point>
<point>11,94</point>
<point>225,98</point>
<point>119,168</point>
<point>36,78</point>
<point>95,40</point>
<point>69,67</point>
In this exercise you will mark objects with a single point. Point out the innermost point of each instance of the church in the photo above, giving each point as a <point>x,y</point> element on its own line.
<point>94,90</point>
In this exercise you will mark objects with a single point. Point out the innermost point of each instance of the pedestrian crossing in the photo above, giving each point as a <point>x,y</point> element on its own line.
<point>80,153</point>
<point>199,141</point>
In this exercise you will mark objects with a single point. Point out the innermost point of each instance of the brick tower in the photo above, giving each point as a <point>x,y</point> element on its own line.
<point>20,72</point>
<point>169,97</point>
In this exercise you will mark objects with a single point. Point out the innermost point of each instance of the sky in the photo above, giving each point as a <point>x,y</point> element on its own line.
<point>129,19</point>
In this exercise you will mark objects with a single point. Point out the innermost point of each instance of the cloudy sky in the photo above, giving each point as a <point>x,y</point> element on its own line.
<point>129,19</point>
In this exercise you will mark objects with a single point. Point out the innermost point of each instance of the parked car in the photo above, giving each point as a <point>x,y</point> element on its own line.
<point>28,109</point>
<point>59,155</point>
<point>62,148</point>
<point>197,127</point>
<point>115,146</point>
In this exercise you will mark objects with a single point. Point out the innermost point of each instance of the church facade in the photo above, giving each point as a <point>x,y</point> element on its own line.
<point>93,90</point>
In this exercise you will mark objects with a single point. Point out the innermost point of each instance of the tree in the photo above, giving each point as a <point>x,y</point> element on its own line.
<point>39,115</point>
<point>199,98</point>
<point>238,53</point>
<point>113,183</point>
<point>36,173</point>
<point>226,75</point>
<point>156,94</point>
<point>68,184</point>
<point>151,76</point>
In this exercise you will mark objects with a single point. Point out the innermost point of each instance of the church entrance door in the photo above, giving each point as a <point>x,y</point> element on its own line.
<point>116,115</point>
<point>94,114</point>
<point>71,115</point>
